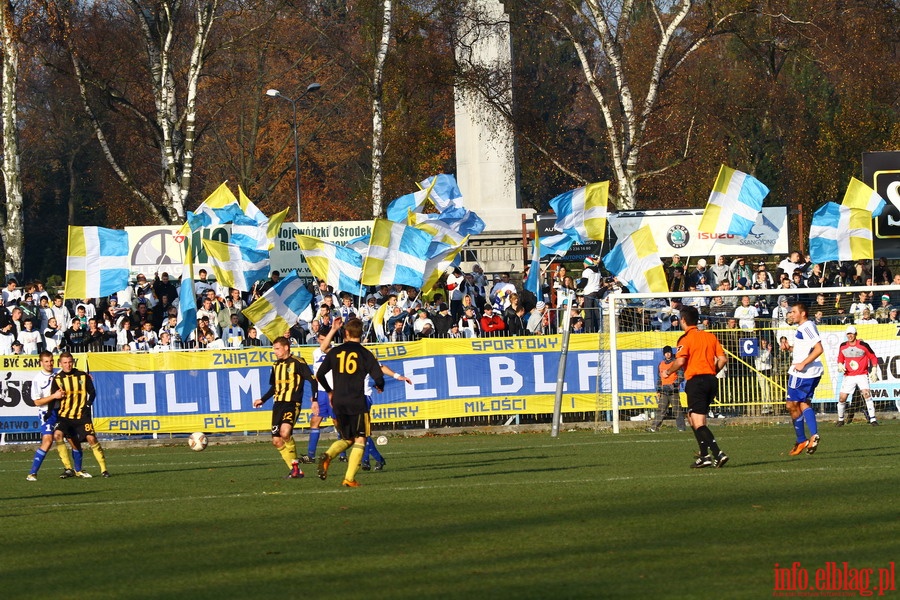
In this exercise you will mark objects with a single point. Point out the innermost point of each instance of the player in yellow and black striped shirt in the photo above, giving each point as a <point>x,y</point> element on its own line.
<point>288,375</point>
<point>75,391</point>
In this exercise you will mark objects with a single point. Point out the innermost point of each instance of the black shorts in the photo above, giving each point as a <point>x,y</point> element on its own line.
<point>75,429</point>
<point>701,391</point>
<point>284,412</point>
<point>352,426</point>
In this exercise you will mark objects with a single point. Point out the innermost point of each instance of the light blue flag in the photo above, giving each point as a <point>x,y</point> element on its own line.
<point>400,208</point>
<point>462,221</point>
<point>207,216</point>
<point>247,233</point>
<point>445,194</point>
<point>187,300</point>
<point>556,244</point>
<point>533,283</point>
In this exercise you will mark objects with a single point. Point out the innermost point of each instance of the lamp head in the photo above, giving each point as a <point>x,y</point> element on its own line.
<point>313,87</point>
<point>273,93</point>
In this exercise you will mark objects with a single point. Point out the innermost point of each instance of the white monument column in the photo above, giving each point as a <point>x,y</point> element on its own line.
<point>485,147</point>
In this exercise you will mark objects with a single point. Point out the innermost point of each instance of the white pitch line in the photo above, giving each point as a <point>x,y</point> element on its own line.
<point>417,488</point>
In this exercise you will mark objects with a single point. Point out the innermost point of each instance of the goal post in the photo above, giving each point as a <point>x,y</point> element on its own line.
<point>752,386</point>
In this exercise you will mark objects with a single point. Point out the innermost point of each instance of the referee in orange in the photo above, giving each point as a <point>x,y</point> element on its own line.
<point>702,356</point>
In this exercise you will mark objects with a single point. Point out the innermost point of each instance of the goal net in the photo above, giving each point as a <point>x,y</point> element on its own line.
<point>749,324</point>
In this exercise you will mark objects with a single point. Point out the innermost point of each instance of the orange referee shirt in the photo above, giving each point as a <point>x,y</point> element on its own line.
<point>699,349</point>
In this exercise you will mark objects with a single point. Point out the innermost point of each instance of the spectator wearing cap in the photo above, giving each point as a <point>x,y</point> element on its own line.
<point>367,311</point>
<point>667,388</point>
<point>883,312</point>
<point>468,323</point>
<point>701,270</point>
<point>539,322</point>
<point>740,270</point>
<point>492,324</point>
<point>18,347</point>
<point>142,287</point>
<point>442,320</point>
<point>894,317</point>
<point>591,284</point>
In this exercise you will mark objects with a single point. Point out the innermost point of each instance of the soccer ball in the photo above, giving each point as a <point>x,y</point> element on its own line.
<point>381,440</point>
<point>198,441</point>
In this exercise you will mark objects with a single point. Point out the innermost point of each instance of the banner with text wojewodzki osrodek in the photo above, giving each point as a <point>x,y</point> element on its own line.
<point>213,391</point>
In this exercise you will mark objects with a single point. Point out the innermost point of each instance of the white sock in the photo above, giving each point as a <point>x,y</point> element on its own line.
<point>870,407</point>
<point>842,408</point>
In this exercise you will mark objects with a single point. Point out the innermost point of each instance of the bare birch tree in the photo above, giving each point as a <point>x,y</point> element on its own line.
<point>378,108</point>
<point>603,33</point>
<point>11,223</point>
<point>173,119</point>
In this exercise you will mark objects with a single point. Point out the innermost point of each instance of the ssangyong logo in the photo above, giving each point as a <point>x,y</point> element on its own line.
<point>678,236</point>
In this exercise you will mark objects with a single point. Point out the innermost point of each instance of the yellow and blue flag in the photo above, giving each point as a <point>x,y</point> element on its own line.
<point>96,262</point>
<point>839,232</point>
<point>581,213</point>
<point>278,309</point>
<point>236,266</point>
<point>635,262</point>
<point>339,266</point>
<point>861,196</point>
<point>397,254</point>
<point>734,203</point>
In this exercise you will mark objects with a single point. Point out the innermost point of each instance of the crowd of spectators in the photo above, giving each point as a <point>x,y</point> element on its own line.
<point>144,316</point>
<point>795,277</point>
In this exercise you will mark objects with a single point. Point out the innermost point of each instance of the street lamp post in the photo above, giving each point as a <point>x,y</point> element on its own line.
<point>276,94</point>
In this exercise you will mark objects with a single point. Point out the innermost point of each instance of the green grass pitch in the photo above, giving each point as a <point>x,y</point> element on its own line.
<point>479,516</point>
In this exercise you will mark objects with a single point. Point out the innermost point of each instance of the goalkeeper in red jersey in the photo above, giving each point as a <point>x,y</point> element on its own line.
<point>857,361</point>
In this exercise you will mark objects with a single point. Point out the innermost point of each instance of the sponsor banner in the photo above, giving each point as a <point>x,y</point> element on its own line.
<point>213,391</point>
<point>677,232</point>
<point>153,249</point>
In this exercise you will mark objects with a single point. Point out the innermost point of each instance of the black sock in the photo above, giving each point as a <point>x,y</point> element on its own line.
<point>710,440</point>
<point>701,441</point>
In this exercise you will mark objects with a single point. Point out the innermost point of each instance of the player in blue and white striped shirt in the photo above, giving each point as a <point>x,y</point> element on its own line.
<point>803,377</point>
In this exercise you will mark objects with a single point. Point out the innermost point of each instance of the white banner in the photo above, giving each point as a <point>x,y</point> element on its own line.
<point>155,249</point>
<point>676,232</point>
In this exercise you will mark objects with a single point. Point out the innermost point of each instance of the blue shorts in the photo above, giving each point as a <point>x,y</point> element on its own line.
<point>801,389</point>
<point>49,424</point>
<point>325,410</point>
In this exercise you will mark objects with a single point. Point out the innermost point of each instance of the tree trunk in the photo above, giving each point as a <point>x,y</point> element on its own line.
<point>378,110</point>
<point>12,225</point>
